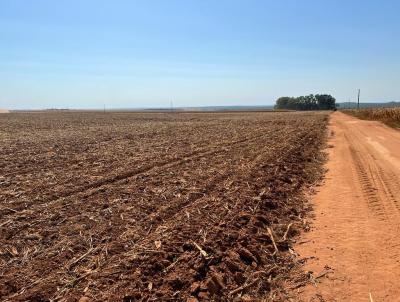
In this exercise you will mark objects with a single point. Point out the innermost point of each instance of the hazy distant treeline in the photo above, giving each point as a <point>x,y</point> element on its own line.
<point>308,102</point>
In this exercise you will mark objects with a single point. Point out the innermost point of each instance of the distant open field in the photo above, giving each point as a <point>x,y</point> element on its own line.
<point>153,206</point>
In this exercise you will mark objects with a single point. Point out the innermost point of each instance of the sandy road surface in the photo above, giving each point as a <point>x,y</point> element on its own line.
<point>356,232</point>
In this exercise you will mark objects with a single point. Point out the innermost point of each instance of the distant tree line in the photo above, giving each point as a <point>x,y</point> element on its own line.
<point>308,102</point>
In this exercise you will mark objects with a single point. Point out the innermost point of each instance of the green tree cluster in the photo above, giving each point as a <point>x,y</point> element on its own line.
<point>308,102</point>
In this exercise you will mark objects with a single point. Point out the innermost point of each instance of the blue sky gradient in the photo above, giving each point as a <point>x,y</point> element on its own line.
<point>83,54</point>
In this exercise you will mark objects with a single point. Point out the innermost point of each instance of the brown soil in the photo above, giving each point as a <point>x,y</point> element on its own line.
<point>147,206</point>
<point>353,248</point>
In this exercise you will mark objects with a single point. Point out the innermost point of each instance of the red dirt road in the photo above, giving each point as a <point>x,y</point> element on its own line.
<point>355,236</point>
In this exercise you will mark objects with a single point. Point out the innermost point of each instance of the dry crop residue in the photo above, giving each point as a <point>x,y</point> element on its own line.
<point>147,206</point>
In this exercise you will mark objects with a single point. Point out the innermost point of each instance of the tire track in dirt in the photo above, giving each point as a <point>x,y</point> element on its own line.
<point>94,187</point>
<point>58,165</point>
<point>391,185</point>
<point>214,181</point>
<point>380,187</point>
<point>193,156</point>
<point>367,182</point>
<point>61,184</point>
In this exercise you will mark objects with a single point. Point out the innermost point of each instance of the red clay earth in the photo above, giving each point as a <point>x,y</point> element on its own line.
<point>151,206</point>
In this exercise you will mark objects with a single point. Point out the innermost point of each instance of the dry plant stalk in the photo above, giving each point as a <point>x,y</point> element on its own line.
<point>273,240</point>
<point>202,252</point>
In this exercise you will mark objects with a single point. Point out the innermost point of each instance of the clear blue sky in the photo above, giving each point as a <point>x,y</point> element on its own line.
<point>86,53</point>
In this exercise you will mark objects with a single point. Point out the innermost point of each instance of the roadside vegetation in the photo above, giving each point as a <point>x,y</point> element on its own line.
<point>308,102</point>
<point>389,116</point>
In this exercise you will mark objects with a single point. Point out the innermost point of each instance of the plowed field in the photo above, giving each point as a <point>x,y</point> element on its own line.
<point>153,206</point>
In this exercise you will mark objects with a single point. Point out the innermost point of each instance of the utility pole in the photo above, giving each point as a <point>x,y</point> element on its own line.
<point>172,106</point>
<point>358,99</point>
